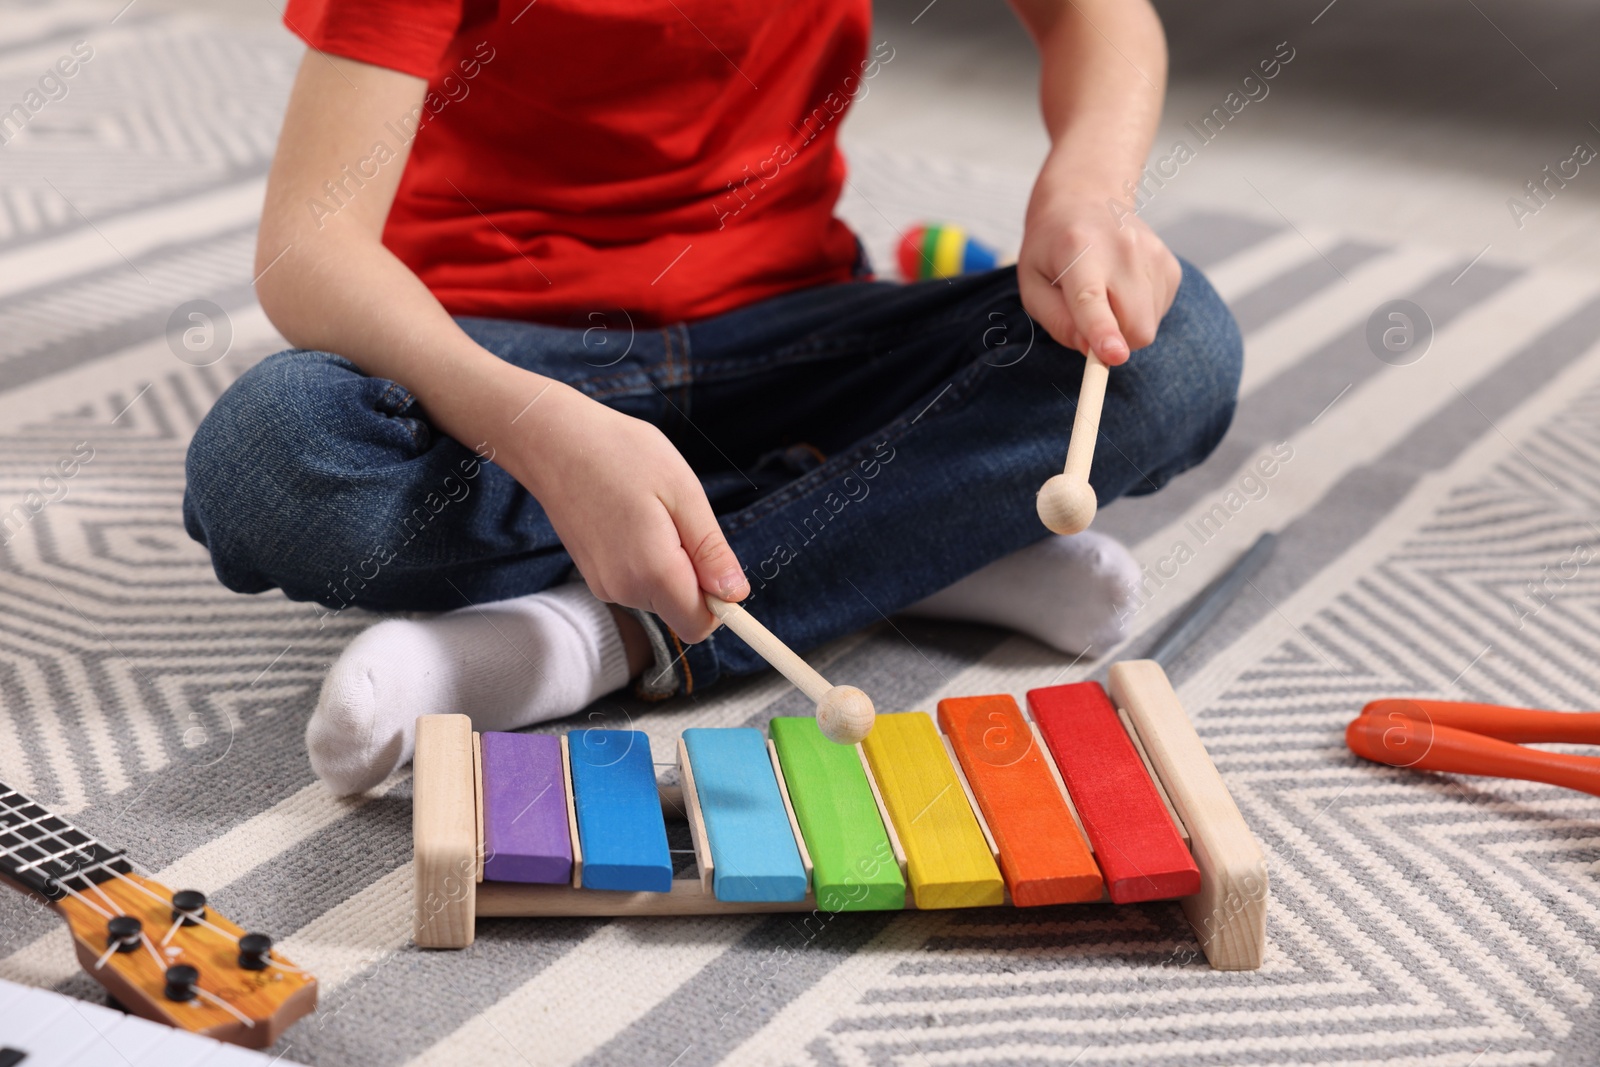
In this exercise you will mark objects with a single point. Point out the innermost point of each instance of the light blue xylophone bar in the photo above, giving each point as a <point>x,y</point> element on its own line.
<point>753,854</point>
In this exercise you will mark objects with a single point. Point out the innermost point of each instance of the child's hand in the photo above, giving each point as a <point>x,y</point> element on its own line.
<point>626,505</point>
<point>1092,279</point>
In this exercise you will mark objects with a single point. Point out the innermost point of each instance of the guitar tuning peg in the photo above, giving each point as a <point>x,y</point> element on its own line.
<point>253,952</point>
<point>188,905</point>
<point>123,932</point>
<point>182,980</point>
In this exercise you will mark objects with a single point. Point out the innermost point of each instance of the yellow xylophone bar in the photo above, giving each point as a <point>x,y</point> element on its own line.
<point>955,836</point>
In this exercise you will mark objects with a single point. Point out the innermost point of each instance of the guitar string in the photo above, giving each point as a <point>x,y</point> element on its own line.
<point>161,964</point>
<point>44,813</point>
<point>101,893</point>
<point>249,1023</point>
<point>105,865</point>
<point>85,850</point>
<point>34,822</point>
<point>291,968</point>
<point>195,915</point>
<point>106,915</point>
<point>208,924</point>
<point>281,965</point>
<point>113,946</point>
<point>143,937</point>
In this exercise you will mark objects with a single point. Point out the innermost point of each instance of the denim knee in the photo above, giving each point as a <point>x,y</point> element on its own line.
<point>273,467</point>
<point>1185,385</point>
<point>1211,334</point>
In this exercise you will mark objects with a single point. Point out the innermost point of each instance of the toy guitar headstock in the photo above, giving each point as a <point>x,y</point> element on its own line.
<point>164,956</point>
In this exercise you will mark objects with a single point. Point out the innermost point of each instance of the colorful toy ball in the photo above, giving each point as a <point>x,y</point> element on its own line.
<point>942,250</point>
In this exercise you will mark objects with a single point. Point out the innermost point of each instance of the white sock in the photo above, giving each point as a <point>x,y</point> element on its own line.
<point>1074,593</point>
<point>506,664</point>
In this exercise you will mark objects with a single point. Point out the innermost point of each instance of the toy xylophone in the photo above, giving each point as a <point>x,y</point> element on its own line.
<point>1091,798</point>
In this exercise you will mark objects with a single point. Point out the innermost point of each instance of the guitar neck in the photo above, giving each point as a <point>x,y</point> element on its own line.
<point>44,854</point>
<point>165,956</point>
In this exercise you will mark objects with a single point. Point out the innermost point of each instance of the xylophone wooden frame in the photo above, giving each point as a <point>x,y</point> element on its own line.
<point>1228,914</point>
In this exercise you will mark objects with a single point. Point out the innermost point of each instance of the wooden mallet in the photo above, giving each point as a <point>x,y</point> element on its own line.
<point>1066,502</point>
<point>844,713</point>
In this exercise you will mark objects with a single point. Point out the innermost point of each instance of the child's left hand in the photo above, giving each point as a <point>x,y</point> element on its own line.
<point>1094,279</point>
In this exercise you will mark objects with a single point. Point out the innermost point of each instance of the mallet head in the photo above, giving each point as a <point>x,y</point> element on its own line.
<point>1066,505</point>
<point>845,715</point>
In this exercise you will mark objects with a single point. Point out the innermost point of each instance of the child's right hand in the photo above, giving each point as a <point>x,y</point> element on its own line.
<point>626,505</point>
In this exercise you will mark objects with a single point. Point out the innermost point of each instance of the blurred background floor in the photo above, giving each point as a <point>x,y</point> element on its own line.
<point>1395,121</point>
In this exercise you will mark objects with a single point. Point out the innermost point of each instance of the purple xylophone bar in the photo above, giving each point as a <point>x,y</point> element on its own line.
<point>525,836</point>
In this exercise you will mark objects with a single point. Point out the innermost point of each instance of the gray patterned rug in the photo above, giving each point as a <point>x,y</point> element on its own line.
<point>1415,919</point>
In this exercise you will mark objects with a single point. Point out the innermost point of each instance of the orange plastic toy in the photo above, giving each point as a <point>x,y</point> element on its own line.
<point>1479,739</point>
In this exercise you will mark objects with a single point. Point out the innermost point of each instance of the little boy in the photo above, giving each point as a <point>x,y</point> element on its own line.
<point>579,339</point>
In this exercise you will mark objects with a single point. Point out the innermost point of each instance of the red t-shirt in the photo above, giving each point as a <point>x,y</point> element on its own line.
<point>673,158</point>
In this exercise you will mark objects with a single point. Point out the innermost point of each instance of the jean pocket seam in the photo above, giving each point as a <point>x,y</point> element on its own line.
<point>386,405</point>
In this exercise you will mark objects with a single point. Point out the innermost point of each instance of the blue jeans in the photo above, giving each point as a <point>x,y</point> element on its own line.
<point>863,444</point>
